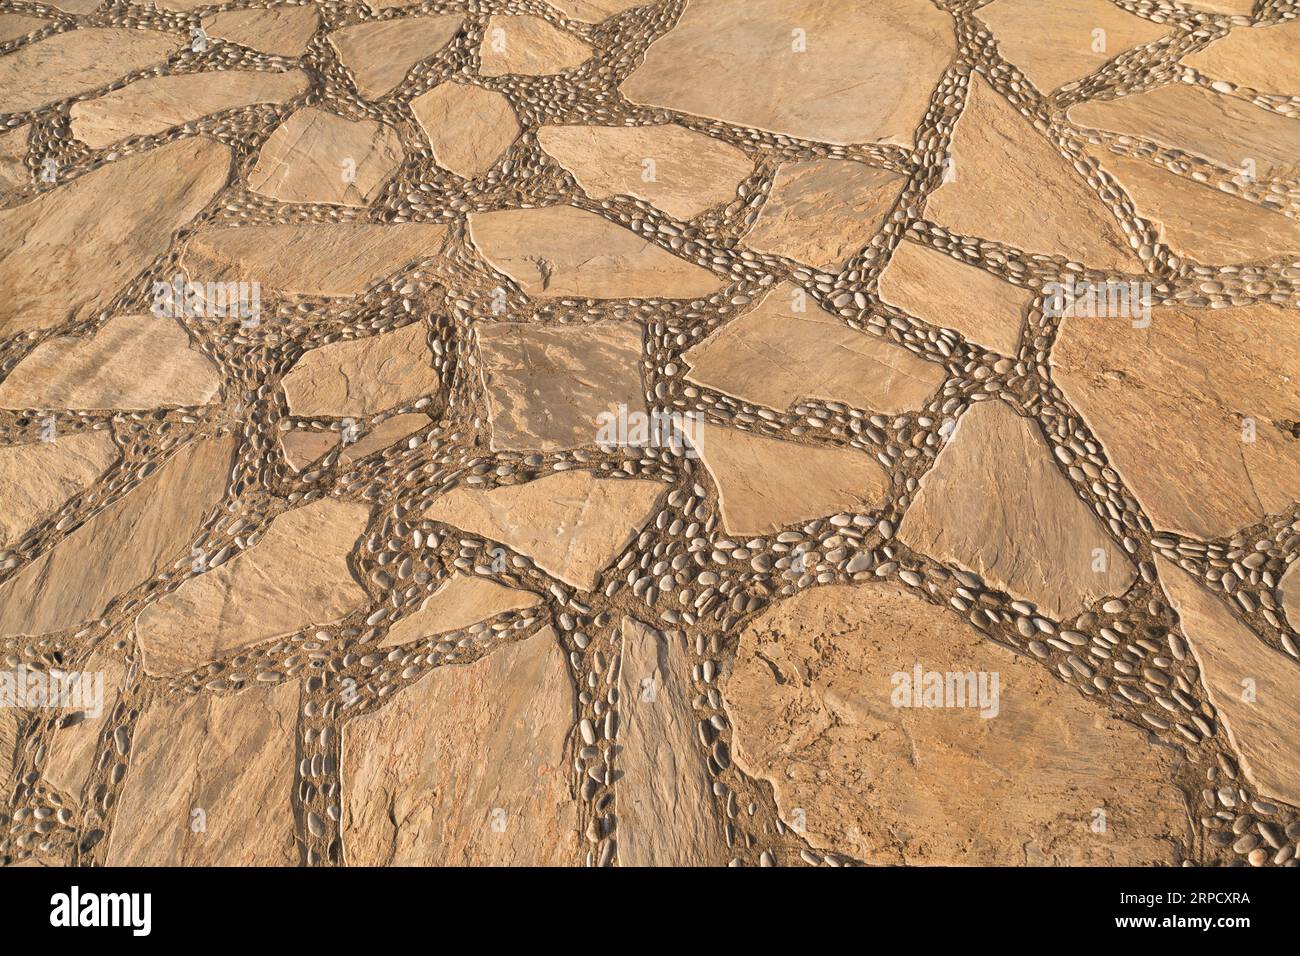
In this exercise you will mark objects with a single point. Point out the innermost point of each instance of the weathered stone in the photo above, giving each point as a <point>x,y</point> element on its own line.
<point>8,746</point>
<point>766,484</point>
<point>1255,689</point>
<point>679,171</point>
<point>132,362</point>
<point>571,524</point>
<point>592,11</point>
<point>228,758</point>
<point>315,156</point>
<point>40,476</point>
<point>787,349</point>
<point>1260,58</point>
<point>302,447</point>
<point>815,699</point>
<point>666,812</point>
<point>1218,385</point>
<point>74,747</point>
<point>282,31</point>
<point>486,785</point>
<point>462,600</point>
<point>381,52</point>
<point>15,25</point>
<point>467,126</point>
<point>528,46</point>
<point>363,376</point>
<point>381,436</point>
<point>563,251</point>
<point>121,546</point>
<point>14,173</point>
<point>548,386</point>
<point>68,252</point>
<point>1289,587</point>
<point>271,590</point>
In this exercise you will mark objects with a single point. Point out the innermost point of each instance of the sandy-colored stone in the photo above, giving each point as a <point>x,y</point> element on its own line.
<point>564,251</point>
<point>1259,58</point>
<point>462,600</point>
<point>302,447</point>
<point>766,484</point>
<point>157,103</point>
<point>76,7</point>
<point>1289,587</point>
<point>821,212</point>
<point>467,767</point>
<point>690,172</point>
<point>121,546</point>
<point>811,696</point>
<point>995,503</point>
<point>571,524</point>
<point>270,590</point>
<point>282,31</point>
<point>1056,44</point>
<point>8,746</point>
<point>132,362</point>
<point>15,25</point>
<point>1254,689</point>
<point>14,173</point>
<point>69,251</point>
<point>40,476</point>
<point>1198,220</point>
<point>229,757</point>
<point>1224,129</point>
<point>548,386</point>
<point>946,292</point>
<point>667,814</point>
<point>866,73</point>
<point>381,436</point>
<point>468,127</point>
<point>363,376</point>
<point>787,349</point>
<point>381,52</point>
<point>1239,7</point>
<point>1211,390</point>
<point>77,61</point>
<point>327,259</point>
<point>1007,173</point>
<point>593,11</point>
<point>528,46</point>
<point>74,746</point>
<point>315,156</point>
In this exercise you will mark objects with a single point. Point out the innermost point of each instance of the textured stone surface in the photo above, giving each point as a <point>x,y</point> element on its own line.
<point>68,252</point>
<point>1290,588</point>
<point>1259,58</point>
<point>467,126</point>
<point>563,251</point>
<point>767,483</point>
<point>283,31</point>
<point>75,745</point>
<point>459,602</point>
<point>548,386</point>
<point>995,503</point>
<point>15,25</point>
<point>271,590</point>
<point>14,173</point>
<point>572,524</point>
<point>315,156</point>
<point>592,11</point>
<point>787,349</point>
<point>528,46</point>
<point>381,436</point>
<point>428,792</point>
<point>363,376</point>
<point>303,447</point>
<point>38,477</point>
<point>679,171</point>
<point>381,52</point>
<point>812,699</point>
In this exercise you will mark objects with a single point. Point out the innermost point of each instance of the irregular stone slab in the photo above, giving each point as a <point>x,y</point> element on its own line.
<point>1180,208</point>
<point>1058,45</point>
<point>1254,689</point>
<point>592,11</point>
<point>865,73</point>
<point>363,376</point>
<point>812,699</point>
<point>766,484</point>
<point>77,6</point>
<point>327,259</point>
<point>666,814</point>
<point>15,25</point>
<point>528,46</point>
<point>282,31</point>
<point>121,546</point>
<point>230,757</point>
<point>788,349</point>
<point>1240,7</point>
<point>315,156</point>
<point>14,173</point>
<point>943,291</point>
<point>548,386</point>
<point>381,52</point>
<point>462,600</point>
<point>8,746</point>
<point>302,447</point>
<point>679,171</point>
<point>1260,58</point>
<point>132,362</point>
<point>468,127</point>
<point>296,575</point>
<point>1289,586</point>
<point>382,435</point>
<point>995,503</point>
<point>158,103</point>
<point>563,251</point>
<point>1007,173</point>
<point>486,786</point>
<point>40,476</point>
<point>1220,383</point>
<point>571,524</point>
<point>69,251</point>
<point>77,61</point>
<point>75,746</point>
<point>1223,129</point>
<point>821,212</point>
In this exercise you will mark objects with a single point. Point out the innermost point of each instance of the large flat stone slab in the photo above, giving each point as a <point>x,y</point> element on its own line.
<point>38,477</point>
<point>74,746</point>
<point>467,126</point>
<point>315,156</point>
<point>282,31</point>
<point>381,52</point>
<point>363,376</point>
<point>528,46</point>
<point>462,600</point>
<point>1260,58</point>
